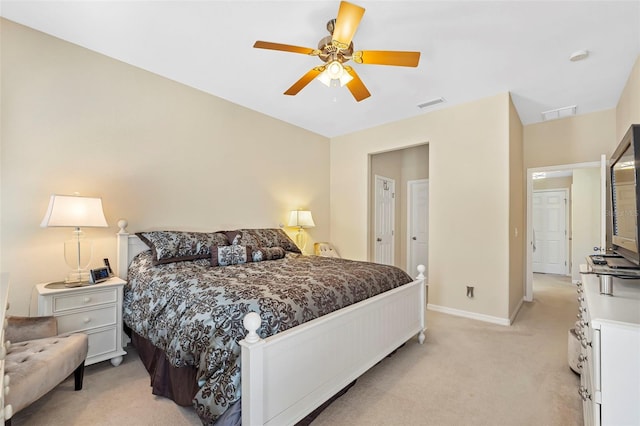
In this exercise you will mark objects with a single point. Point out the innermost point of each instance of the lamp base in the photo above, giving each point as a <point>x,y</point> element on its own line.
<point>301,240</point>
<point>79,277</point>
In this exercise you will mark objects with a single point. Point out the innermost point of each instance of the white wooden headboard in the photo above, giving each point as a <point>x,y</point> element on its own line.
<point>128,247</point>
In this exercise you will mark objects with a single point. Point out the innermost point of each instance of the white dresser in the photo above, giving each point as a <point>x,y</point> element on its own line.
<point>94,309</point>
<point>609,331</point>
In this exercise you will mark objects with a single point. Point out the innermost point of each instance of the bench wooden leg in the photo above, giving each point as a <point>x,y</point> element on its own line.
<point>78,376</point>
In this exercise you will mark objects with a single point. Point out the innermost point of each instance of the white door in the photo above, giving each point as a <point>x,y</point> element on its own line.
<point>550,232</point>
<point>417,225</point>
<point>385,202</point>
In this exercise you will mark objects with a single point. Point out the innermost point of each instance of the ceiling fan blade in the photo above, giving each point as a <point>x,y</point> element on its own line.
<point>349,16</point>
<point>306,79</point>
<point>285,47</point>
<point>387,57</point>
<point>356,86</point>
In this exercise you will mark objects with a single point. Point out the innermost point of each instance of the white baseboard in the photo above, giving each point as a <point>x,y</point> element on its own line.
<point>471,315</point>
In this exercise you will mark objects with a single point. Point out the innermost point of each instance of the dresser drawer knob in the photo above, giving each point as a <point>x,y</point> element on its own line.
<point>86,320</point>
<point>87,299</point>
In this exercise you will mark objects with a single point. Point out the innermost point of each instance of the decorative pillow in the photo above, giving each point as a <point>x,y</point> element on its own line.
<point>233,237</point>
<point>230,255</point>
<point>177,246</point>
<point>267,253</point>
<point>270,237</point>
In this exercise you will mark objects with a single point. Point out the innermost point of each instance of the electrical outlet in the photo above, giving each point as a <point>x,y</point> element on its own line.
<point>470,292</point>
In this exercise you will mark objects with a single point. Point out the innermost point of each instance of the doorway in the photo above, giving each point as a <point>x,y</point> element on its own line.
<point>587,228</point>
<point>550,236</point>
<point>402,165</point>
<point>418,224</point>
<point>385,211</point>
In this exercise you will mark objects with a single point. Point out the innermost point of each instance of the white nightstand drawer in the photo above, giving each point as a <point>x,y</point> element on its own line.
<point>102,342</point>
<point>65,302</point>
<point>86,320</point>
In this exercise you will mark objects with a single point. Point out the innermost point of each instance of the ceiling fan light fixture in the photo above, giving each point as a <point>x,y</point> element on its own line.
<point>334,73</point>
<point>324,78</point>
<point>345,78</point>
<point>335,70</point>
<point>336,49</point>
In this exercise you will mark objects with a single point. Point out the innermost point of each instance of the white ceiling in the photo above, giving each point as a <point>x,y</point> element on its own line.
<point>470,50</point>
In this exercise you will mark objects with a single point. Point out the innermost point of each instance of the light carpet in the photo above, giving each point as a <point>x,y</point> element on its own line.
<point>467,373</point>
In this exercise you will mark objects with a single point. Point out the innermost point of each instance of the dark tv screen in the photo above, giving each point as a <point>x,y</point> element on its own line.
<point>624,197</point>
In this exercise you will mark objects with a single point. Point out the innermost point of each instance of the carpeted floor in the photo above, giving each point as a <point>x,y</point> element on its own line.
<point>467,373</point>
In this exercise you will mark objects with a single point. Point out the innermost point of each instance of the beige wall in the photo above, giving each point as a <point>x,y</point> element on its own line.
<point>469,198</point>
<point>628,108</point>
<point>585,216</point>
<point>159,153</point>
<point>402,165</point>
<point>553,183</point>
<point>517,229</point>
<point>579,139</point>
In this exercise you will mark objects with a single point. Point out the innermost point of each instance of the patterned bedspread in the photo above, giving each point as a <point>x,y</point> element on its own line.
<point>194,312</point>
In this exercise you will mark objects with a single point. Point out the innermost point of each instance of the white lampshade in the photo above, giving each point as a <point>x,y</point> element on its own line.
<point>74,211</point>
<point>301,219</point>
<point>334,71</point>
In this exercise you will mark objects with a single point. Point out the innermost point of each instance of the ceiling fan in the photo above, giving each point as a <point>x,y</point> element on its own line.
<point>337,49</point>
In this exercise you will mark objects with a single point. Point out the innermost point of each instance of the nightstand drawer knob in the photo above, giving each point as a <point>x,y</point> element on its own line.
<point>6,390</point>
<point>87,299</point>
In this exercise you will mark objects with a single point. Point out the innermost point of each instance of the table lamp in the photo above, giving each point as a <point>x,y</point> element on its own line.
<point>76,212</point>
<point>301,219</point>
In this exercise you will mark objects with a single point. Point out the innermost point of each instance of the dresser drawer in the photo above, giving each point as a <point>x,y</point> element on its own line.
<point>102,342</point>
<point>80,321</point>
<point>62,303</point>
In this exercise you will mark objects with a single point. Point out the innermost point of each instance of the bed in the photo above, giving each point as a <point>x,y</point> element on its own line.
<point>214,314</point>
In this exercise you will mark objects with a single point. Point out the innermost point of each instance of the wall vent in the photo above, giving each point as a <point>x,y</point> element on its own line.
<point>554,114</point>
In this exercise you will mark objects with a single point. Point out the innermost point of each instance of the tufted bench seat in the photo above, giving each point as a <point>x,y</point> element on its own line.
<point>36,364</point>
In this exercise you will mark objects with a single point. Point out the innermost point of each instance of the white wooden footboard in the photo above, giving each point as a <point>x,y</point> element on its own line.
<point>288,375</point>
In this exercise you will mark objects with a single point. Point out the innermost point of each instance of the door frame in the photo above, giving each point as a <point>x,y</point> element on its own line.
<point>409,205</point>
<point>528,289</point>
<point>567,229</point>
<point>377,177</point>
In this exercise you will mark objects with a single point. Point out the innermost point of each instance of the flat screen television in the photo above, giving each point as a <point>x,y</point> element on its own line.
<point>624,172</point>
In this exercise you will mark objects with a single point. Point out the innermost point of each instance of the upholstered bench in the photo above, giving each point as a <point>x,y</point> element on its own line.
<point>36,363</point>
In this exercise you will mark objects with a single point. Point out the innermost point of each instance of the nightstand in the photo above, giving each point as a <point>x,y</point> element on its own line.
<point>95,309</point>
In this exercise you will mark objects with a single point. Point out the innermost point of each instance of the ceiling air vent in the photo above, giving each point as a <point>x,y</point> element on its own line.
<point>554,114</point>
<point>431,102</point>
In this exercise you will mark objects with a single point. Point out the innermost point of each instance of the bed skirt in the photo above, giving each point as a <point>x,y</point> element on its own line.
<point>180,384</point>
<point>176,383</point>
